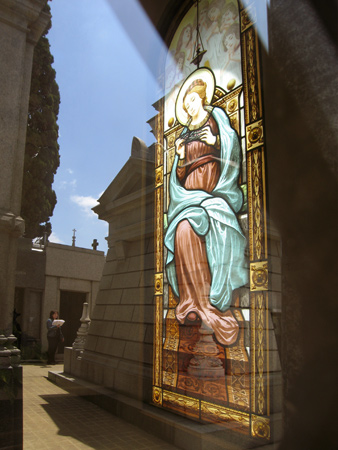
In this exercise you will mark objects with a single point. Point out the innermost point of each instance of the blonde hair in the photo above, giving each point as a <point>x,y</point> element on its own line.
<point>200,87</point>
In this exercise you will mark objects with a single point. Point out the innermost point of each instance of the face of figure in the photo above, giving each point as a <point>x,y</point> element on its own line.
<point>55,315</point>
<point>213,13</point>
<point>228,18</point>
<point>179,64</point>
<point>187,35</point>
<point>170,77</point>
<point>203,16</point>
<point>231,41</point>
<point>193,104</point>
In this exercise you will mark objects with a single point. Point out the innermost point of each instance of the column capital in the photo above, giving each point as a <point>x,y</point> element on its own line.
<point>11,224</point>
<point>25,15</point>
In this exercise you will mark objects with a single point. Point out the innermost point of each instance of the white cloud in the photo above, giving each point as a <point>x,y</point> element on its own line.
<point>55,238</point>
<point>70,171</point>
<point>64,184</point>
<point>85,203</point>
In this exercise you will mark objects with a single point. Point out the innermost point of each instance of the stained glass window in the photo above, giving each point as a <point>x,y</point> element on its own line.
<point>213,323</point>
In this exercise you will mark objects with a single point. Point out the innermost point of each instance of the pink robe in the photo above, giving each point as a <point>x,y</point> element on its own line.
<point>192,269</point>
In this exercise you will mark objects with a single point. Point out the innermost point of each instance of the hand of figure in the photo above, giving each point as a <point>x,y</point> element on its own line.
<point>180,147</point>
<point>207,136</point>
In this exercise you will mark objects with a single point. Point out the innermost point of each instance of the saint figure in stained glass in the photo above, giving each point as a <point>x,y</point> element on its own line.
<point>205,242</point>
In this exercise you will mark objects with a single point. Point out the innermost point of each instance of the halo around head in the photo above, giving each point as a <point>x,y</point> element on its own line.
<point>200,74</point>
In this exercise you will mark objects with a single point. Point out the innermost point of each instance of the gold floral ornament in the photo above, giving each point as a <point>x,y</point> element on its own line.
<point>260,427</point>
<point>157,395</point>
<point>259,276</point>
<point>255,134</point>
<point>159,176</point>
<point>203,74</point>
<point>232,106</point>
<point>158,283</point>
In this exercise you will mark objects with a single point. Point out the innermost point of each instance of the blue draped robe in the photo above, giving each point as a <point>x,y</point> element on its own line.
<point>213,215</point>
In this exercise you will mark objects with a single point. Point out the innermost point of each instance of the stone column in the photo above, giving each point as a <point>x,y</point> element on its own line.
<point>21,25</point>
<point>82,332</point>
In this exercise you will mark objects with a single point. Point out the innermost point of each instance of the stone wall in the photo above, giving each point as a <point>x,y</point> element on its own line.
<point>118,350</point>
<point>21,25</point>
<point>42,274</point>
<point>300,100</point>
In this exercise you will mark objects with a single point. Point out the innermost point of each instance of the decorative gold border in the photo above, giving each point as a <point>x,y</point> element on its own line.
<point>256,205</point>
<point>259,276</point>
<point>170,159</point>
<point>172,301</point>
<point>238,369</point>
<point>260,389</point>
<point>170,348</point>
<point>251,81</point>
<point>159,134</point>
<point>253,352</point>
<point>229,102</point>
<point>248,18</point>
<point>157,357</point>
<point>218,413</point>
<point>180,400</point>
<point>260,331</point>
<point>157,396</point>
<point>209,411</point>
<point>158,283</point>
<point>159,230</point>
<point>158,176</point>
<point>260,427</point>
<point>254,135</point>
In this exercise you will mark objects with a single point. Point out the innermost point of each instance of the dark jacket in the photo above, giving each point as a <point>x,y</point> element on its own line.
<point>53,331</point>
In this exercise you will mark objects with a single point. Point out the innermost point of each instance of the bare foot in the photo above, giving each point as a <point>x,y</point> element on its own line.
<point>192,316</point>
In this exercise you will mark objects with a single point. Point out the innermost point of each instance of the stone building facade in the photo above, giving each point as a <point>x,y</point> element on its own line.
<point>53,277</point>
<point>21,24</point>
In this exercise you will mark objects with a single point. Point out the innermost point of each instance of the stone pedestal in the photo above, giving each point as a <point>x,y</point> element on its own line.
<point>11,420</point>
<point>205,363</point>
<point>10,394</point>
<point>82,333</point>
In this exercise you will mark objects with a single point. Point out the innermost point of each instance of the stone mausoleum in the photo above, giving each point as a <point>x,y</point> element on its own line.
<point>52,277</point>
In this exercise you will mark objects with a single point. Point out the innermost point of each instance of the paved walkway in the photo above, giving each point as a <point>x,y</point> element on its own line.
<point>55,419</point>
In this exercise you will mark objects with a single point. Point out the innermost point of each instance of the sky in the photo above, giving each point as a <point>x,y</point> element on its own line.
<point>107,84</point>
<point>106,55</point>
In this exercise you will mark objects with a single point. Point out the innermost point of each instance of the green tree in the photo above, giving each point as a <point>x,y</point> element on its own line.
<point>42,149</point>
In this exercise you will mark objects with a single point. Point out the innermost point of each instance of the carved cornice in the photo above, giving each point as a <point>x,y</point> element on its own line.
<point>26,16</point>
<point>11,224</point>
